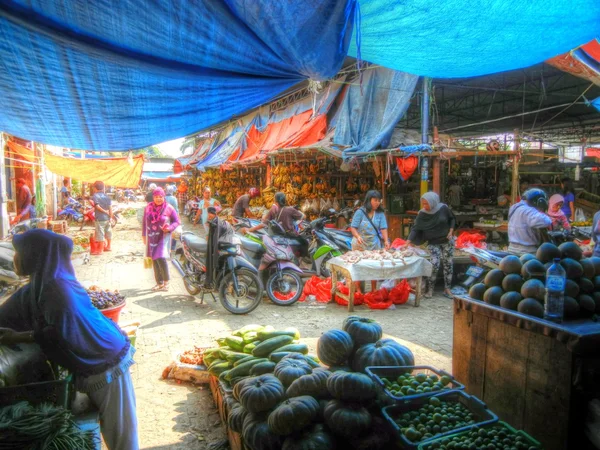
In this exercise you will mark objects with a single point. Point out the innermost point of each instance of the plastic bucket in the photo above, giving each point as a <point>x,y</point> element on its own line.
<point>96,248</point>
<point>113,313</point>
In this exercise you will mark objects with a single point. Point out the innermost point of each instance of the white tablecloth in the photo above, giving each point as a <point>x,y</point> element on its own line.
<point>367,269</point>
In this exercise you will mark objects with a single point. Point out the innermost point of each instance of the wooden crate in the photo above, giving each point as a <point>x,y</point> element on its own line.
<point>527,378</point>
<point>59,226</point>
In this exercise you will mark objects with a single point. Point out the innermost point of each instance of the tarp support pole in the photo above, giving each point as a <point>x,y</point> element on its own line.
<point>515,170</point>
<point>425,132</point>
<point>437,173</point>
<point>4,223</point>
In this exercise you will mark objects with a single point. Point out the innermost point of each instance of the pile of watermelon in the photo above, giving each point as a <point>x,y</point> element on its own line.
<point>519,284</point>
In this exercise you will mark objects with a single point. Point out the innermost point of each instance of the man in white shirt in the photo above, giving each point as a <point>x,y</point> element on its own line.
<point>526,219</point>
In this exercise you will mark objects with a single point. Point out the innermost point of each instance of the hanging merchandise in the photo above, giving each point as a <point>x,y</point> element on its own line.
<point>407,166</point>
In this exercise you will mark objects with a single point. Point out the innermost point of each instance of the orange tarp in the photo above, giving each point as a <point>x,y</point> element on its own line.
<point>296,131</point>
<point>21,153</point>
<point>567,63</point>
<point>119,172</point>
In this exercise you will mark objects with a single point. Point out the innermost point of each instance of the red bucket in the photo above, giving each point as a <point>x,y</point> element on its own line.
<point>113,313</point>
<point>96,248</point>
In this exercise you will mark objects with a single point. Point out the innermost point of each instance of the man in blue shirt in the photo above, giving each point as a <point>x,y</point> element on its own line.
<point>103,212</point>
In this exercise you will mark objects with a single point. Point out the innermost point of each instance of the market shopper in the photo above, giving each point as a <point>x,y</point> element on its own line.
<point>65,192</point>
<point>170,197</point>
<point>103,213</point>
<point>280,212</point>
<point>54,311</point>
<point>242,204</point>
<point>160,220</point>
<point>596,234</point>
<point>219,231</point>
<point>526,219</point>
<point>24,201</point>
<point>555,212</point>
<point>206,202</point>
<point>568,191</point>
<point>150,193</point>
<point>182,195</point>
<point>435,225</point>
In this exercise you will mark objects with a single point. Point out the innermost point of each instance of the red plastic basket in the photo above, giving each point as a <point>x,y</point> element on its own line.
<point>113,313</point>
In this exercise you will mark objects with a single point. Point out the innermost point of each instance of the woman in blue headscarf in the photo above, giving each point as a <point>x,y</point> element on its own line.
<point>54,311</point>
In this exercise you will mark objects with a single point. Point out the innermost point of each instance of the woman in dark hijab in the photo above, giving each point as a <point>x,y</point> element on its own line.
<point>54,311</point>
<point>435,225</point>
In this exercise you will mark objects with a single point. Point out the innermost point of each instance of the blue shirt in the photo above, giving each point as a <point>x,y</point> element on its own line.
<point>101,199</point>
<point>596,234</point>
<point>566,207</point>
<point>360,221</point>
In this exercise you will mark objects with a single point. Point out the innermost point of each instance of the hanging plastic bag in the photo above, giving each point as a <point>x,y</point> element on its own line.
<point>579,215</point>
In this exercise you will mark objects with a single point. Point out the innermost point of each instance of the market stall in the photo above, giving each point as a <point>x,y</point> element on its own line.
<point>377,265</point>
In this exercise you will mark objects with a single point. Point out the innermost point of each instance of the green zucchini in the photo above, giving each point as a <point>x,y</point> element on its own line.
<point>242,361</point>
<point>312,361</point>
<point>246,329</point>
<point>251,336</point>
<point>278,356</point>
<point>249,347</point>
<point>234,357</point>
<point>298,348</point>
<point>221,342</point>
<point>243,370</point>
<point>262,368</point>
<point>235,342</point>
<point>270,345</point>
<point>264,335</point>
<point>223,375</point>
<point>217,369</point>
<point>217,361</point>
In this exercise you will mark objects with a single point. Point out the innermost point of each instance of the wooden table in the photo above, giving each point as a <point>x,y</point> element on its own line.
<point>416,267</point>
<point>535,375</point>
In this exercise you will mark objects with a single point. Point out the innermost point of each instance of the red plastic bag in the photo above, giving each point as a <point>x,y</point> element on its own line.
<point>378,299</point>
<point>468,239</point>
<point>399,294</point>
<point>398,243</point>
<point>309,288</point>
<point>358,296</point>
<point>323,291</point>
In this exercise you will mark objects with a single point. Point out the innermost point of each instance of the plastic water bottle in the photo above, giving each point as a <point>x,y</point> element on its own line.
<point>555,292</point>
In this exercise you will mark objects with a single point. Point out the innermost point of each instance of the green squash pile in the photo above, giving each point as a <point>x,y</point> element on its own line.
<point>519,283</point>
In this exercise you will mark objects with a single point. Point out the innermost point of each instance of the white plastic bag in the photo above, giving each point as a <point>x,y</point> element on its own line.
<point>389,284</point>
<point>580,215</point>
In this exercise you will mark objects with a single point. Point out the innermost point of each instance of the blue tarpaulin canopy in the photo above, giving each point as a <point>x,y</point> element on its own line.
<point>127,74</point>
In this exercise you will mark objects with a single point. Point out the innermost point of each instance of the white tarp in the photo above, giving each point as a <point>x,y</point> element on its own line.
<point>365,269</point>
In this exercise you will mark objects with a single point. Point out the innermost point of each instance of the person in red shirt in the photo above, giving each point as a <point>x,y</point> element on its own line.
<point>23,200</point>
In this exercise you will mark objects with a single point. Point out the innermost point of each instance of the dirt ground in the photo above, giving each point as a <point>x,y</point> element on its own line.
<point>182,416</point>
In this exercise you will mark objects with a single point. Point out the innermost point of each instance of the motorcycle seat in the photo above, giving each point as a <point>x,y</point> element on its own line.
<point>250,245</point>
<point>194,242</point>
<point>339,232</point>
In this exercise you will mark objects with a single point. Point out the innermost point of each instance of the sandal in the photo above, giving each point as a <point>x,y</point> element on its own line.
<point>164,288</point>
<point>158,287</point>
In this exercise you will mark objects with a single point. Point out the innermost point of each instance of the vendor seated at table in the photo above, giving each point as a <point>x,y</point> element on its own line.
<point>54,311</point>
<point>285,215</point>
<point>526,219</point>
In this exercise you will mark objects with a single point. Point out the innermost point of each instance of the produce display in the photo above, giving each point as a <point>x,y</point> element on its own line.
<point>356,256</point>
<point>436,417</point>
<point>41,427</point>
<point>419,383</point>
<point>519,283</point>
<point>194,357</point>
<point>497,437</point>
<point>283,396</point>
<point>104,298</point>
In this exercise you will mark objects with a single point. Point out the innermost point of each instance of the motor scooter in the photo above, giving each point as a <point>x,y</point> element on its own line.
<point>89,215</point>
<point>9,280</point>
<point>237,281</point>
<point>274,259</point>
<point>72,211</point>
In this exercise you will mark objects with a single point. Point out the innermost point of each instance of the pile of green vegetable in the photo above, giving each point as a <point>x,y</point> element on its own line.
<point>413,384</point>
<point>496,437</point>
<point>42,427</point>
<point>284,399</point>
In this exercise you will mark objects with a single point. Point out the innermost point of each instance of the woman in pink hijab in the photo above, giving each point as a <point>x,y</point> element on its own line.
<point>559,220</point>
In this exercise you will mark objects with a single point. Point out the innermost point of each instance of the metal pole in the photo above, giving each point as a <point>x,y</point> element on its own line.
<point>425,134</point>
<point>4,223</point>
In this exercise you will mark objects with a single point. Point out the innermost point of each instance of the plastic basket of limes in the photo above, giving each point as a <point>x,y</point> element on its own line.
<point>402,383</point>
<point>498,436</point>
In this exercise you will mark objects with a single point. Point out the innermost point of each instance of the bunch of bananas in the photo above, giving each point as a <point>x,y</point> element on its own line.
<point>364,186</point>
<point>313,169</point>
<point>351,185</point>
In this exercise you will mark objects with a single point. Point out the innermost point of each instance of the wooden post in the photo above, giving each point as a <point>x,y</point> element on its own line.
<point>268,176</point>
<point>437,176</point>
<point>515,172</point>
<point>383,185</point>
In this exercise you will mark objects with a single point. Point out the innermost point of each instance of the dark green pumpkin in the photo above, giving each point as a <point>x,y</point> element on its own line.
<point>314,384</point>
<point>316,437</point>
<point>310,360</point>
<point>293,415</point>
<point>362,330</point>
<point>235,419</point>
<point>261,393</point>
<point>385,352</point>
<point>237,386</point>
<point>346,419</point>
<point>335,347</point>
<point>258,436</point>
<point>351,387</point>
<point>290,369</point>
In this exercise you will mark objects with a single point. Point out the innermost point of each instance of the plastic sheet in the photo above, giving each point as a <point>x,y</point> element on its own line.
<point>471,239</point>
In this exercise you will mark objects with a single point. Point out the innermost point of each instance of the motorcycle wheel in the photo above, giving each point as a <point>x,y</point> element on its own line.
<point>325,272</point>
<point>192,288</point>
<point>281,285</point>
<point>250,288</point>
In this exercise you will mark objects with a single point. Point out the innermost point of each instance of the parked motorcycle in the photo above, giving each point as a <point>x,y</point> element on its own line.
<point>9,280</point>
<point>191,209</point>
<point>237,281</point>
<point>24,226</point>
<point>274,260</point>
<point>89,215</point>
<point>72,211</point>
